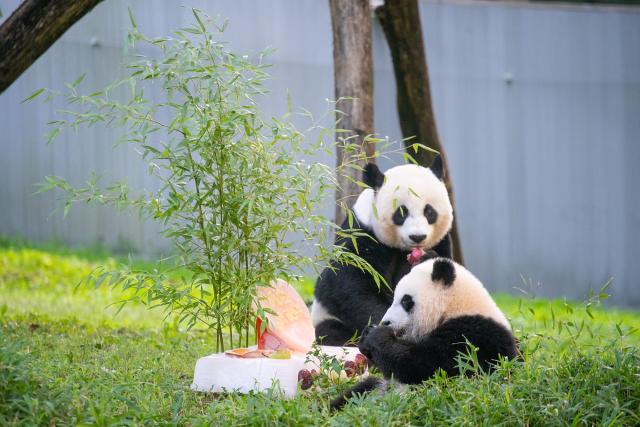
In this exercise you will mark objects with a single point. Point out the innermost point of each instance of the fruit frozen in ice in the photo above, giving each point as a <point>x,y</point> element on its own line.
<point>291,325</point>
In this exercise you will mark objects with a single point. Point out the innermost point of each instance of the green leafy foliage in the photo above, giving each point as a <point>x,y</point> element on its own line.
<point>22,397</point>
<point>235,189</point>
<point>62,365</point>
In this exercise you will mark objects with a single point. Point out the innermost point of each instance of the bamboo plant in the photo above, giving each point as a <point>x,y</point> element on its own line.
<point>235,194</point>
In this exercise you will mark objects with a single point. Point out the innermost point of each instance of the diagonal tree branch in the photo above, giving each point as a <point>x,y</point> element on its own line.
<point>31,29</point>
<point>400,20</point>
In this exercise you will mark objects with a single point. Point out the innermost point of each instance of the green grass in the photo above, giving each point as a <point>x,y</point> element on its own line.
<point>66,360</point>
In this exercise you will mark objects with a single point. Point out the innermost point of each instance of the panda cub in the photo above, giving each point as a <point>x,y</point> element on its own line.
<point>436,309</point>
<point>406,208</point>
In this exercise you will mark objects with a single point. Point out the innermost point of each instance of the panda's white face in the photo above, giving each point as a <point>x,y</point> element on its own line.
<point>434,291</point>
<point>411,209</point>
<point>418,302</point>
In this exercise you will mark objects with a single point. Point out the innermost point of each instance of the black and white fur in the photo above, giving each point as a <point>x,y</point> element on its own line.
<point>437,308</point>
<point>406,207</point>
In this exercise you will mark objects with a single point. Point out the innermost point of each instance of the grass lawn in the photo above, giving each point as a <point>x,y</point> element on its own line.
<point>65,359</point>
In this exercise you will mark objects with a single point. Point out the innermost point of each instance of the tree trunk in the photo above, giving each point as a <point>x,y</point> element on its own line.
<point>31,29</point>
<point>353,76</point>
<point>400,20</point>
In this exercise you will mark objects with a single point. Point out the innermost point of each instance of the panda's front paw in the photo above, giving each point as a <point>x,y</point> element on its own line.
<point>367,350</point>
<point>364,345</point>
<point>382,335</point>
<point>375,339</point>
<point>366,332</point>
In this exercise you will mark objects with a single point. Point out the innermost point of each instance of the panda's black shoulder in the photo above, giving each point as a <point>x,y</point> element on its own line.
<point>444,248</point>
<point>361,239</point>
<point>363,235</point>
<point>489,336</point>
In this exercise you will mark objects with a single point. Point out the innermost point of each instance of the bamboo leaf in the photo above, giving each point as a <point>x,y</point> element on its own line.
<point>34,95</point>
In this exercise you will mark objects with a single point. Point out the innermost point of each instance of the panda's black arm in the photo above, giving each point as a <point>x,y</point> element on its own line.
<point>444,248</point>
<point>407,361</point>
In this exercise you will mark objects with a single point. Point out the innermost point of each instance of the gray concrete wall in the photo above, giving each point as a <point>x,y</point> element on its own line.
<point>537,105</point>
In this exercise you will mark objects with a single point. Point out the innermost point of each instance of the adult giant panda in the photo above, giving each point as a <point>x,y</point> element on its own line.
<point>406,208</point>
<point>437,309</point>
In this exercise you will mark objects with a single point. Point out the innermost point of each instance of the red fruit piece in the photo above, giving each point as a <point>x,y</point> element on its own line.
<point>305,379</point>
<point>267,340</point>
<point>414,257</point>
<point>350,368</point>
<point>303,373</point>
<point>361,363</point>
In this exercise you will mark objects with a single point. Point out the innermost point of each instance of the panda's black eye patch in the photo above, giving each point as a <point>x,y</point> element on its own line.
<point>407,303</point>
<point>400,215</point>
<point>431,214</point>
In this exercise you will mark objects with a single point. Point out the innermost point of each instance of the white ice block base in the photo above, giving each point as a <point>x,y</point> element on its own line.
<point>223,373</point>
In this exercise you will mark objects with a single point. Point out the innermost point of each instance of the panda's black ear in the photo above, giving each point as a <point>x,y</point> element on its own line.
<point>444,271</point>
<point>437,167</point>
<point>372,176</point>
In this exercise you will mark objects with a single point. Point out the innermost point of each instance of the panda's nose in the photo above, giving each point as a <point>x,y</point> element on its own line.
<point>417,237</point>
<point>385,323</point>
